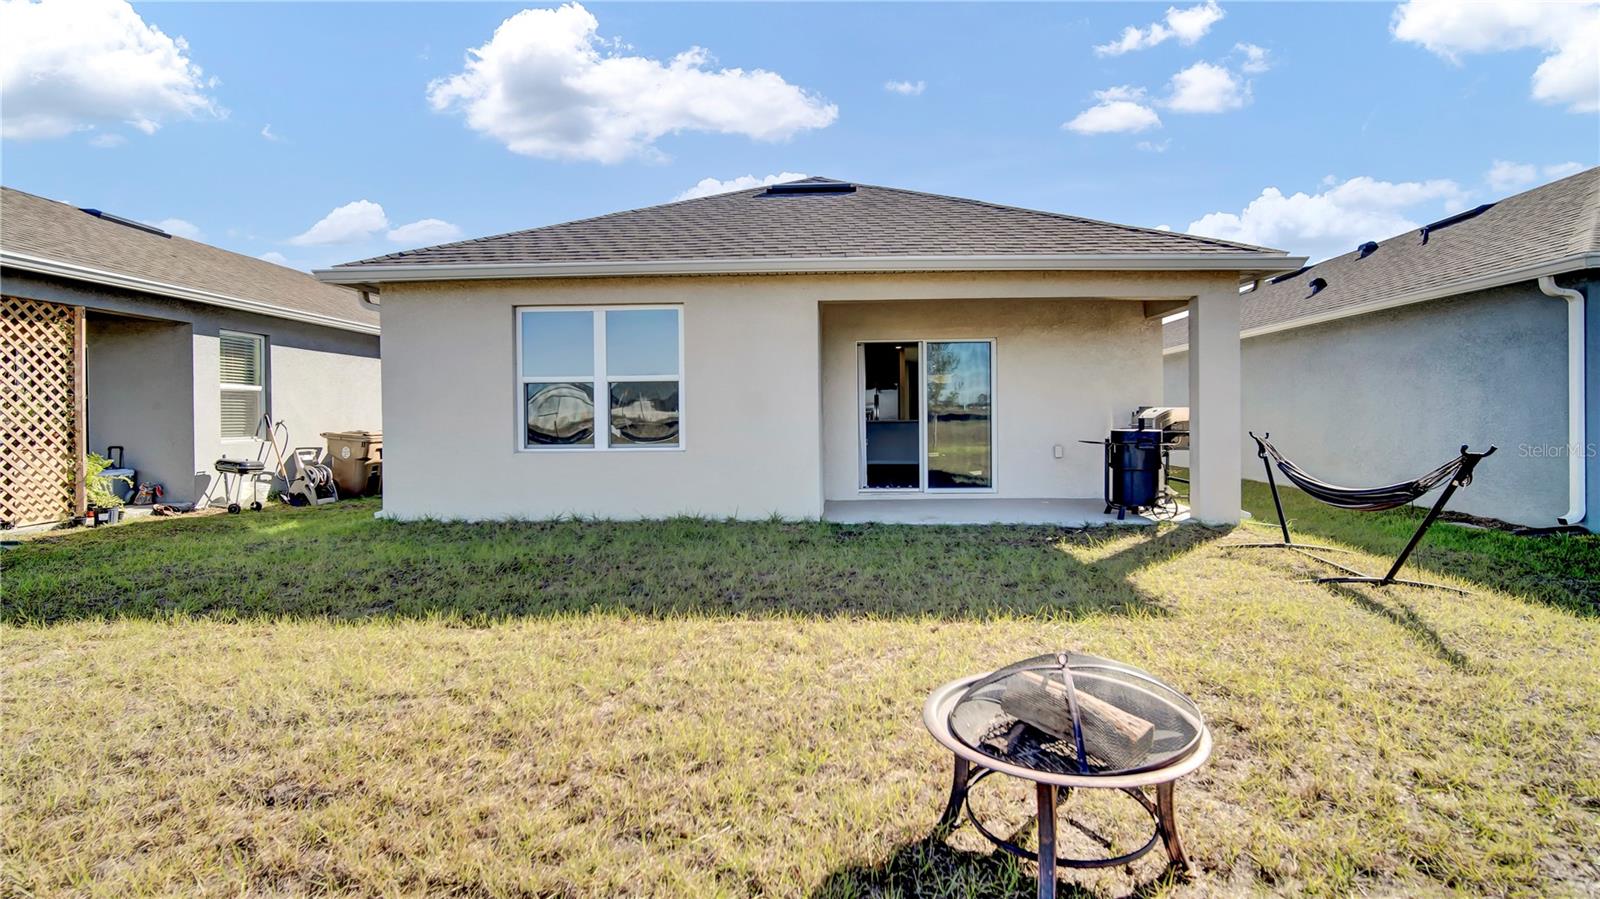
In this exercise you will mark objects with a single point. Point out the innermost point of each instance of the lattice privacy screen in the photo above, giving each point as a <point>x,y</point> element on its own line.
<point>39,441</point>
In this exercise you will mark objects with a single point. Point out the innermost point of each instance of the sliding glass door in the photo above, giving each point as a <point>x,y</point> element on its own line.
<point>959,424</point>
<point>926,415</point>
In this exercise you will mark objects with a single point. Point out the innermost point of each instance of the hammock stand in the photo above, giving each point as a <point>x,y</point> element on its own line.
<point>1457,472</point>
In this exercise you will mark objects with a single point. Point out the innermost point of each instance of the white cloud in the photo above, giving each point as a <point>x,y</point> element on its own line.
<point>1187,25</point>
<point>68,65</point>
<point>105,140</point>
<point>1568,32</point>
<point>1255,58</point>
<point>1121,109</point>
<point>1163,227</point>
<point>1506,176</point>
<point>269,134</point>
<point>274,257</point>
<point>1334,221</point>
<point>1561,170</point>
<point>178,227</point>
<point>425,231</point>
<point>709,186</point>
<point>1204,87</point>
<point>908,88</point>
<point>349,223</point>
<point>546,84</point>
<point>1152,146</point>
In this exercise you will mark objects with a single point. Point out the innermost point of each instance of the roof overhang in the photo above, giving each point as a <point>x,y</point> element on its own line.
<point>56,268</point>
<point>1250,266</point>
<point>1574,263</point>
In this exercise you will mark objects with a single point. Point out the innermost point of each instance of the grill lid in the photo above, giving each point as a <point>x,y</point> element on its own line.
<point>1071,713</point>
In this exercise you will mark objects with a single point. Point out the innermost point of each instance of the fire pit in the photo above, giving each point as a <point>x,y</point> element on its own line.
<point>1069,720</point>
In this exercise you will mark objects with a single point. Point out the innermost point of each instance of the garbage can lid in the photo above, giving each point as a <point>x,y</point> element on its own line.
<point>353,435</point>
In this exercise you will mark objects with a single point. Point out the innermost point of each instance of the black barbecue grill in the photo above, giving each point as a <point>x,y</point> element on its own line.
<point>1137,459</point>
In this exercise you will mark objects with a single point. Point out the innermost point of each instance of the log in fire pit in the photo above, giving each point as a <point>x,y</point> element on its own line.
<point>1063,721</point>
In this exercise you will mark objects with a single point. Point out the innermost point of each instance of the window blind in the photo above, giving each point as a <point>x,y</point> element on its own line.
<point>241,359</point>
<point>243,384</point>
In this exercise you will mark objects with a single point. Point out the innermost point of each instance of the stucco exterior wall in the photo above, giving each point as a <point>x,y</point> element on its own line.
<point>1387,396</point>
<point>318,378</point>
<point>1064,370</point>
<point>748,406</point>
<point>753,435</point>
<point>139,372</point>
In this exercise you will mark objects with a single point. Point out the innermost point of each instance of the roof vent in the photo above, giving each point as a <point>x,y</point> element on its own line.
<point>811,187</point>
<point>1367,249</point>
<point>1317,284</point>
<point>1282,278</point>
<point>130,223</point>
<point>1451,220</point>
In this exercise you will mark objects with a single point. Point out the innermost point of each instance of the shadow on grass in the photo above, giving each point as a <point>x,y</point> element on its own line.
<point>1406,617</point>
<point>1560,570</point>
<point>339,562</point>
<point>931,868</point>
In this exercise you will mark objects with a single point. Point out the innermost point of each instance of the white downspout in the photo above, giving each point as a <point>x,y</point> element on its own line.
<point>366,299</point>
<point>1577,437</point>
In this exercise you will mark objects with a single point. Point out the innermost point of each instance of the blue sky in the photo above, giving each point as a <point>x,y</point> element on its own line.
<point>1381,116</point>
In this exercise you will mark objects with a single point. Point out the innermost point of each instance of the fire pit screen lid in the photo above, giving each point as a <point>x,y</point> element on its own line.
<point>1071,713</point>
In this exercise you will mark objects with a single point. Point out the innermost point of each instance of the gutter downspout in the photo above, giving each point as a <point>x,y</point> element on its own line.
<point>1577,437</point>
<point>366,299</point>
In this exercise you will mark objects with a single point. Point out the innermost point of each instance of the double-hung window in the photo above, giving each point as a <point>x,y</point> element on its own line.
<point>607,378</point>
<point>243,377</point>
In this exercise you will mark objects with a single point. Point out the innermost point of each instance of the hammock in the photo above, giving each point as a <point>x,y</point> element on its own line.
<point>1457,473</point>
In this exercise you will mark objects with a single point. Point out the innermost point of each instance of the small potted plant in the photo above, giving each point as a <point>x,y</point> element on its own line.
<point>105,506</point>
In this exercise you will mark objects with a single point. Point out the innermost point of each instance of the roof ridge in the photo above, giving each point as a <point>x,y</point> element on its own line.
<point>1216,241</point>
<point>584,220</point>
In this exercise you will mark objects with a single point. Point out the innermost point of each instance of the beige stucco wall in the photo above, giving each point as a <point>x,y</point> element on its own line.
<point>1064,370</point>
<point>754,441</point>
<point>748,404</point>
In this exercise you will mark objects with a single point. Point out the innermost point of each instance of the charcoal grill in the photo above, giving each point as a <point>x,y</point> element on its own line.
<point>1064,721</point>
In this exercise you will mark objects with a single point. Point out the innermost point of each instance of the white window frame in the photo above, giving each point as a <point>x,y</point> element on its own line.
<point>601,381</point>
<point>922,487</point>
<point>260,341</point>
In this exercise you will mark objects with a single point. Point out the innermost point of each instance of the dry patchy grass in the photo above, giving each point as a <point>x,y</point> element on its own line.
<point>734,710</point>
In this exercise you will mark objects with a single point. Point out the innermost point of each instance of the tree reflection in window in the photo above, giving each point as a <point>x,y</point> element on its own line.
<point>560,414</point>
<point>644,412</point>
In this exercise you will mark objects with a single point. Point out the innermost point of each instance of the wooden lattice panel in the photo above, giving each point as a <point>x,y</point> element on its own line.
<point>39,445</point>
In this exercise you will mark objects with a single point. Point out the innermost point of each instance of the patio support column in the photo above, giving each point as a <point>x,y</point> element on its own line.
<point>1215,430</point>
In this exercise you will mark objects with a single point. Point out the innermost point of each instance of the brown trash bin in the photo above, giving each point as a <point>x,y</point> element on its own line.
<point>354,454</point>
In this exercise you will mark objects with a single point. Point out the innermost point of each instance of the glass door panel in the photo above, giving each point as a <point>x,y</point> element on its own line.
<point>960,438</point>
<point>890,408</point>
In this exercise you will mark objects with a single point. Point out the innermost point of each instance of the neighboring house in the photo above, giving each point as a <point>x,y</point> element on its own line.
<point>116,333</point>
<point>1376,366</point>
<point>803,350</point>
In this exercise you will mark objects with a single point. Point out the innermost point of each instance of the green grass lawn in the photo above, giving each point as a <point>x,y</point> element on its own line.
<point>318,702</point>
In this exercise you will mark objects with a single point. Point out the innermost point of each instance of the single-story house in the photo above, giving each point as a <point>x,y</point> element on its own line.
<point>811,349</point>
<point>113,332</point>
<point>1375,366</point>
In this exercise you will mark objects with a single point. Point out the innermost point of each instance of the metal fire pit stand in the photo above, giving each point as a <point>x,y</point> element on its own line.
<point>1050,788</point>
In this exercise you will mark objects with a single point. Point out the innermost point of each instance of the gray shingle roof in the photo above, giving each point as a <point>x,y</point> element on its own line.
<point>869,222</point>
<point>1556,221</point>
<point>35,226</point>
